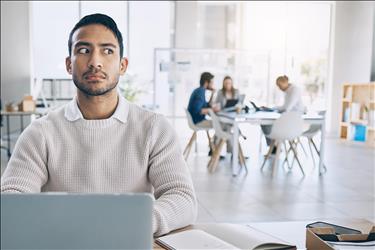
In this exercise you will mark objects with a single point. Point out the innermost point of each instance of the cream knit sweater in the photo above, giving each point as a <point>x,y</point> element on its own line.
<point>138,153</point>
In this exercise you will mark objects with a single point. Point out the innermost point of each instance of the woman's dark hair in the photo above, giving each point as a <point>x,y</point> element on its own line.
<point>98,19</point>
<point>205,77</point>
<point>223,88</point>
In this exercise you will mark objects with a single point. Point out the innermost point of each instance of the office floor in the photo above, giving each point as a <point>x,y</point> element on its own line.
<point>347,190</point>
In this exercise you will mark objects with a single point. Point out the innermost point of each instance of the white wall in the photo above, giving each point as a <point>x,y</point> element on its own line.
<point>352,50</point>
<point>149,28</point>
<point>187,28</point>
<point>50,39</point>
<point>15,51</point>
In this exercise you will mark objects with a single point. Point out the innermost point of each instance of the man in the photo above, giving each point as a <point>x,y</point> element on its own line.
<point>292,102</point>
<point>293,96</point>
<point>99,142</point>
<point>198,106</point>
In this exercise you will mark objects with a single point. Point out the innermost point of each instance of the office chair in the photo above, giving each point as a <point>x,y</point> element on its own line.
<point>285,129</point>
<point>223,137</point>
<point>193,138</point>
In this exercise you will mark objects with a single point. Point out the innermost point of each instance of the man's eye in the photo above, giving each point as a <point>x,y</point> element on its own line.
<point>83,51</point>
<point>108,51</point>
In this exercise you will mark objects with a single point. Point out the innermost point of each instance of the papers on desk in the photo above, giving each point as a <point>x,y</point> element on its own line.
<point>353,245</point>
<point>222,236</point>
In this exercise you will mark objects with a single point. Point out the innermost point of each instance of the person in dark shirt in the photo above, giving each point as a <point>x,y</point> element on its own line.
<point>198,106</point>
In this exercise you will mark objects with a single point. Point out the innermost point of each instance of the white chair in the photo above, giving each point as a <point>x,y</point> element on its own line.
<point>223,137</point>
<point>193,138</point>
<point>287,128</point>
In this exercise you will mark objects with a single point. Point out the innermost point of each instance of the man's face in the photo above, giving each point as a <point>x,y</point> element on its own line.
<point>283,85</point>
<point>211,85</point>
<point>95,62</point>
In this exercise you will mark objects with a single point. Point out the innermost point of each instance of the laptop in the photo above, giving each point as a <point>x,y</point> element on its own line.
<point>231,103</point>
<point>76,221</point>
<point>264,109</point>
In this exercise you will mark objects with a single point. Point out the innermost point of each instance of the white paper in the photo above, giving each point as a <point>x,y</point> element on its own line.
<point>194,239</point>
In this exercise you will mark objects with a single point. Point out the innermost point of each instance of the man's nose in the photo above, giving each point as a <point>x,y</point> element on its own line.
<point>95,61</point>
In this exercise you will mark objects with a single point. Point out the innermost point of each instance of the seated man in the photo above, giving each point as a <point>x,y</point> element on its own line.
<point>292,102</point>
<point>198,106</point>
<point>101,143</point>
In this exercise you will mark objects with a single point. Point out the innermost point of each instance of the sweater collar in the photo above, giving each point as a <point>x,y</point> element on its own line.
<point>72,112</point>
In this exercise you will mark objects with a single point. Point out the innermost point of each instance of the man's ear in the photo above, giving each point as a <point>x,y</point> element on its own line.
<point>123,65</point>
<point>68,65</point>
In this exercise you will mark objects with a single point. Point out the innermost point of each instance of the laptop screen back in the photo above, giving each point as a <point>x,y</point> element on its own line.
<point>231,103</point>
<point>76,221</point>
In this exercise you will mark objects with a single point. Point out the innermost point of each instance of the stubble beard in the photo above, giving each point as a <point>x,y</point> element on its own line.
<point>98,92</point>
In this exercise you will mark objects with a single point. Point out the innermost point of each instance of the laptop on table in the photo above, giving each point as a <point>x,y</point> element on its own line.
<point>264,109</point>
<point>76,221</point>
<point>231,103</point>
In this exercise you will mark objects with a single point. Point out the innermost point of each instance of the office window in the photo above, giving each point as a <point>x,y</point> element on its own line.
<point>297,37</point>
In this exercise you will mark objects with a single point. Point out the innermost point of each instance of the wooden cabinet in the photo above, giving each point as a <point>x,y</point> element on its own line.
<point>357,120</point>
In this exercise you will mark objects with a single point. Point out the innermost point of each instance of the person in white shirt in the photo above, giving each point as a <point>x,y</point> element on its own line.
<point>101,143</point>
<point>292,102</point>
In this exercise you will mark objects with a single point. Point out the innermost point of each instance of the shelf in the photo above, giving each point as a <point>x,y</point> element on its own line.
<point>362,122</point>
<point>354,95</point>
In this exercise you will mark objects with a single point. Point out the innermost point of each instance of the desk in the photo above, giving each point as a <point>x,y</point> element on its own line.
<point>21,114</point>
<point>294,232</point>
<point>268,118</point>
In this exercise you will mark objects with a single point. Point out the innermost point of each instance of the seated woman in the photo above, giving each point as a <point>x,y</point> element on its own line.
<point>227,92</point>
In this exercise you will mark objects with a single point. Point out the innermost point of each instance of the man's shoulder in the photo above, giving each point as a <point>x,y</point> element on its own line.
<point>142,115</point>
<point>199,90</point>
<point>52,115</point>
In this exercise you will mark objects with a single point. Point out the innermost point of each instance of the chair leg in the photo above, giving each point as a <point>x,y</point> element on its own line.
<point>215,156</point>
<point>212,147</point>
<point>296,157</point>
<point>316,149</point>
<point>303,148</point>
<point>276,160</point>
<point>189,145</point>
<point>311,152</point>
<point>268,154</point>
<point>286,155</point>
<point>242,159</point>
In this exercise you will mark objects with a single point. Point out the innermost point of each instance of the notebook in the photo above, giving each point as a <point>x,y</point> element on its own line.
<point>222,236</point>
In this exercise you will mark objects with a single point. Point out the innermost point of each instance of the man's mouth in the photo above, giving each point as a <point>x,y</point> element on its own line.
<point>94,76</point>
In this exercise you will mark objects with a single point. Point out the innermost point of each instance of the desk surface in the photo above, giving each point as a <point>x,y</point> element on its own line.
<point>294,232</point>
<point>265,116</point>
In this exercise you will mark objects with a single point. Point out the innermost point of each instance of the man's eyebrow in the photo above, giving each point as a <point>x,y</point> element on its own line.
<point>108,45</point>
<point>82,44</point>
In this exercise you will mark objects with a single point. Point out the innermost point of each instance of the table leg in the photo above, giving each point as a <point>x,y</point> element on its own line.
<point>322,168</point>
<point>235,149</point>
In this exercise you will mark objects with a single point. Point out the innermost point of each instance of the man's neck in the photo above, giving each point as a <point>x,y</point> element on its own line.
<point>97,107</point>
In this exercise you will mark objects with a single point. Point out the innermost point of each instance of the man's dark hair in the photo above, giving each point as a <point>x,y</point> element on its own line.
<point>98,19</point>
<point>205,77</point>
